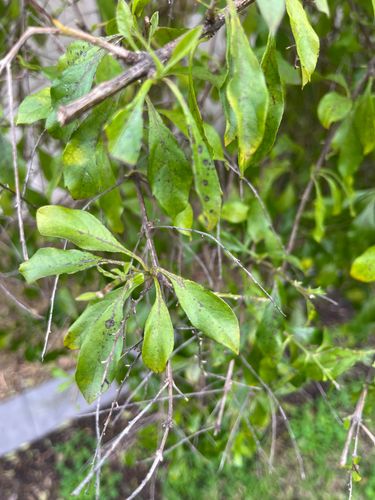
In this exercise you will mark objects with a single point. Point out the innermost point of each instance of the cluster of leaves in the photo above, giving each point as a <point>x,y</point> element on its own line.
<point>196,133</point>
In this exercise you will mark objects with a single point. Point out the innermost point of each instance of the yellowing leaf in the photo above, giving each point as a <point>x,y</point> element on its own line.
<point>158,340</point>
<point>246,91</point>
<point>363,268</point>
<point>307,40</point>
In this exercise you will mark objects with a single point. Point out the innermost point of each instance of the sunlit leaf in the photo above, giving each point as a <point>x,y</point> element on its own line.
<point>363,268</point>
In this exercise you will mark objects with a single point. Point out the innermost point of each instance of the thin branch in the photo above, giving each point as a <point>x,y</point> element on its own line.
<point>20,304</point>
<point>74,109</point>
<point>15,163</point>
<point>160,450</point>
<point>227,388</point>
<point>117,441</point>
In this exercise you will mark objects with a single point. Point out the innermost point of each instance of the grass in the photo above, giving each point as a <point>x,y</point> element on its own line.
<point>320,438</point>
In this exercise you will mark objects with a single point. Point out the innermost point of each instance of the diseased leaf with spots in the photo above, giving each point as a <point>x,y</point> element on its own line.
<point>125,129</point>
<point>206,180</point>
<point>77,226</point>
<point>78,67</point>
<point>169,172</point>
<point>53,261</point>
<point>207,312</point>
<point>35,107</point>
<point>363,268</point>
<point>100,352</point>
<point>333,107</point>
<point>158,339</point>
<point>307,40</point>
<point>87,170</point>
<point>246,91</point>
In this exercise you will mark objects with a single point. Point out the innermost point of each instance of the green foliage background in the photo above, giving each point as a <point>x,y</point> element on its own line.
<point>223,203</point>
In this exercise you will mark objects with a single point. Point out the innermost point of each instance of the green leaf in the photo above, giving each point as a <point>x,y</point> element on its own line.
<point>206,180</point>
<point>267,333</point>
<point>126,24</point>
<point>348,144</point>
<point>319,214</point>
<point>169,171</point>
<point>307,40</point>
<point>125,130</point>
<point>364,121</point>
<point>363,268</point>
<point>246,91</point>
<point>184,46</point>
<point>35,107</point>
<point>87,170</point>
<point>272,12</point>
<point>234,212</point>
<point>52,261</point>
<point>333,107</point>
<point>100,352</point>
<point>276,102</point>
<point>77,226</point>
<point>158,340</point>
<point>322,6</point>
<point>213,139</point>
<point>207,312</point>
<point>138,6</point>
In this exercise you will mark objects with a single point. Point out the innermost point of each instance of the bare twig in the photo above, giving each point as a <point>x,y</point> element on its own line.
<point>227,388</point>
<point>15,163</point>
<point>20,304</point>
<point>160,450</point>
<point>117,441</point>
